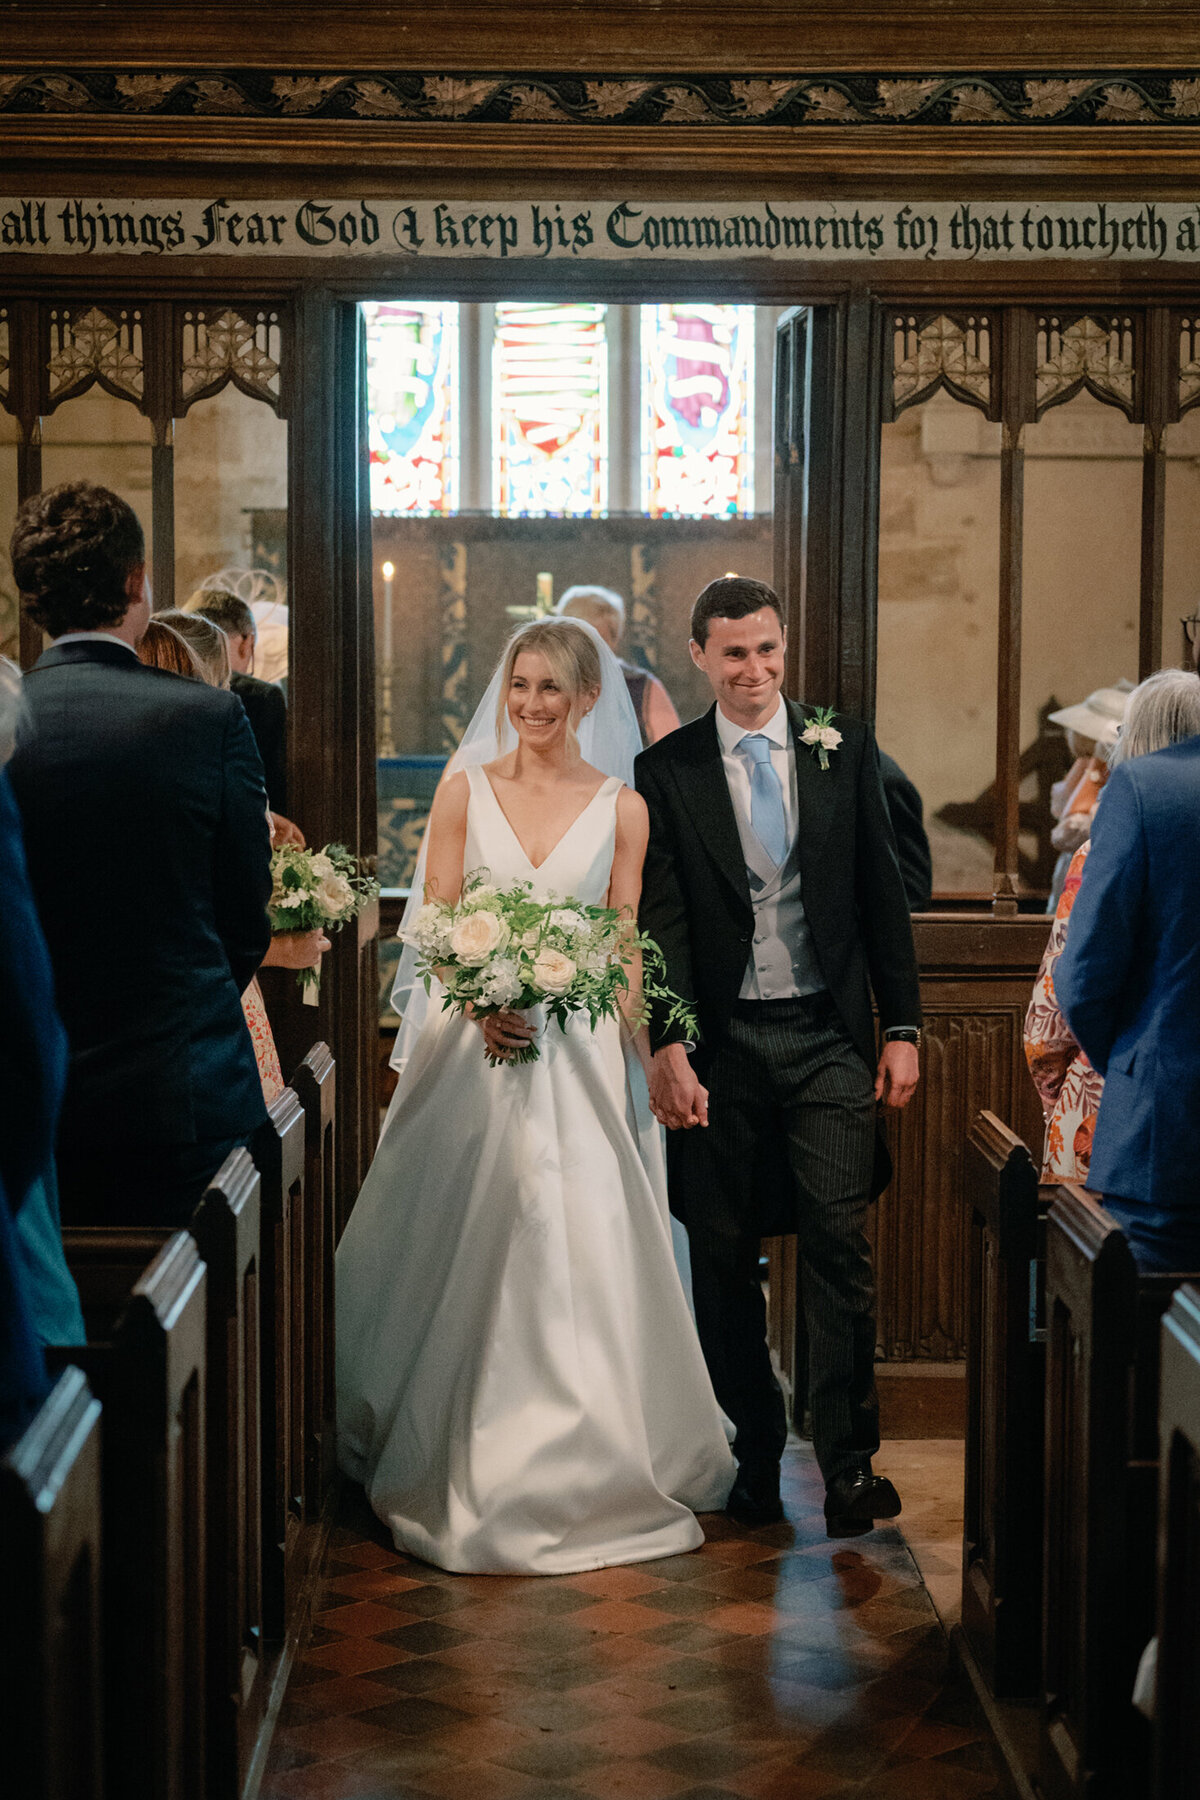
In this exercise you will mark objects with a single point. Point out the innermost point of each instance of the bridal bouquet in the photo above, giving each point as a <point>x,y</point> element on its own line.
<point>501,948</point>
<point>316,890</point>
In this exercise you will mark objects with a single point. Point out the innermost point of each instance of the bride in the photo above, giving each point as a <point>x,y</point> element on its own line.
<point>520,1385</point>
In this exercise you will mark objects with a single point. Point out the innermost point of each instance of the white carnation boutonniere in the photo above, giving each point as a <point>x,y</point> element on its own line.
<point>821,735</point>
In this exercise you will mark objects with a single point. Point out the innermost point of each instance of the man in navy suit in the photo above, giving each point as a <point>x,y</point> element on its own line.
<point>145,820</point>
<point>1128,981</point>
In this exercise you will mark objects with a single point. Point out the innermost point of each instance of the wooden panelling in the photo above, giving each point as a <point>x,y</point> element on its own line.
<point>976,977</point>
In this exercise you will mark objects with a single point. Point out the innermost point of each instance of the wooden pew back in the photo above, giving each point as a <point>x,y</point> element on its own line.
<point>1002,1528</point>
<point>1177,1708</point>
<point>226,1229</point>
<point>315,1086</point>
<point>149,1378</point>
<point>278,1150</point>
<point>50,1554</point>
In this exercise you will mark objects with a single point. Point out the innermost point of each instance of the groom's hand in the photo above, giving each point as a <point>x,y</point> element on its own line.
<point>898,1073</point>
<point>677,1098</point>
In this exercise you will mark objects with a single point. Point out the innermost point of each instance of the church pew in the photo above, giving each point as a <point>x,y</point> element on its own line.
<point>50,1559</point>
<point>148,1371</point>
<point>226,1229</point>
<point>278,1149</point>
<point>107,1261</point>
<point>1177,1701</point>
<point>1102,1378</point>
<point>1002,1526</point>
<point>315,1086</point>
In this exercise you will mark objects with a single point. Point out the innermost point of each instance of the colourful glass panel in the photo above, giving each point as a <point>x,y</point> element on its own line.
<point>698,411</point>
<point>412,391</point>
<point>549,416</point>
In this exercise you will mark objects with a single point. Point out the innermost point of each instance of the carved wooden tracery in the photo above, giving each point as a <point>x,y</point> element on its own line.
<point>217,345</point>
<point>940,351</point>
<point>1189,362</point>
<point>86,345</point>
<point>1096,353</point>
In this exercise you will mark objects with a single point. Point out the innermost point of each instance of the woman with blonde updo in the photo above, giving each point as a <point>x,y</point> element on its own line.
<point>520,1386</point>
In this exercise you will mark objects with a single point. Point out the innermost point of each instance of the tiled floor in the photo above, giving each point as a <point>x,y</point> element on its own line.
<point>770,1664</point>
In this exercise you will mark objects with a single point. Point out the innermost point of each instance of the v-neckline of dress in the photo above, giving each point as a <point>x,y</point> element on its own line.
<point>553,851</point>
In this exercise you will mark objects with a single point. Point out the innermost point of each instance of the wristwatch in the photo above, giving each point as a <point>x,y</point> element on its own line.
<point>903,1034</point>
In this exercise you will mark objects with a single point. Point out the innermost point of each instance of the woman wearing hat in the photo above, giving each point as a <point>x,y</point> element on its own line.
<point>1092,728</point>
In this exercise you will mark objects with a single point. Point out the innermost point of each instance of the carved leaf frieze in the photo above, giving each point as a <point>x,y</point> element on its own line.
<point>961,97</point>
<point>229,347</point>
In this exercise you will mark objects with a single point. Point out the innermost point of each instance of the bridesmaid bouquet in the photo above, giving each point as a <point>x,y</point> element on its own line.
<point>501,948</point>
<point>316,890</point>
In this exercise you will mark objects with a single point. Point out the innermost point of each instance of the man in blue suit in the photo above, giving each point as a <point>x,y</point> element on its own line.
<point>1129,984</point>
<point>145,820</point>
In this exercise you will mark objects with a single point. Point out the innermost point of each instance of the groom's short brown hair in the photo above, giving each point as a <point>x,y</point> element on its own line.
<point>733,597</point>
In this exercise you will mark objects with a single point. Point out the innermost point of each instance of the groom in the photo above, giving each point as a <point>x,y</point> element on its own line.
<point>773,888</point>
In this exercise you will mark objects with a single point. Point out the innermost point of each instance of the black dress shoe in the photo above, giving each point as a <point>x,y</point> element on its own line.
<point>754,1498</point>
<point>856,1500</point>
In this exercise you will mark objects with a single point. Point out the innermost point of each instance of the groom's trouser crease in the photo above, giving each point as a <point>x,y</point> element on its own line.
<point>785,1077</point>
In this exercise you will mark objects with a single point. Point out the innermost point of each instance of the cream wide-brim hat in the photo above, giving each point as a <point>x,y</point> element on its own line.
<point>1100,716</point>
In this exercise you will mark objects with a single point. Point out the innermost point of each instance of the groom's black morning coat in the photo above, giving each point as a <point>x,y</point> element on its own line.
<point>696,896</point>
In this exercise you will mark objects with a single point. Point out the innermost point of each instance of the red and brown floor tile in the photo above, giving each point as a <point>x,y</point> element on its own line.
<point>769,1665</point>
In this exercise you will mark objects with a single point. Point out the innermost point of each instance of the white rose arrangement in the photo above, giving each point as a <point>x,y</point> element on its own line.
<point>502,948</point>
<point>821,734</point>
<point>316,890</point>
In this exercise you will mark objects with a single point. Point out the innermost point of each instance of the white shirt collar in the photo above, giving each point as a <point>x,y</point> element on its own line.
<point>93,637</point>
<point>776,728</point>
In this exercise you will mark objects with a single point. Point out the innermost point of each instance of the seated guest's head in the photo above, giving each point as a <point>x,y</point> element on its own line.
<point>163,648</point>
<point>234,617</point>
<point>79,559</point>
<point>206,641</point>
<point>601,607</point>
<point>1164,709</point>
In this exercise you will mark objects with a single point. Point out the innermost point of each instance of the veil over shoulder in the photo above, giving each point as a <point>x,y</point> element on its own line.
<point>609,738</point>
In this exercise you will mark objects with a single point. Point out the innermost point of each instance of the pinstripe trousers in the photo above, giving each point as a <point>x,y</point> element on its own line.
<point>790,1145</point>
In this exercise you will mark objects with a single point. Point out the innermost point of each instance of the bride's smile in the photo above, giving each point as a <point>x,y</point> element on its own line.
<point>539,709</point>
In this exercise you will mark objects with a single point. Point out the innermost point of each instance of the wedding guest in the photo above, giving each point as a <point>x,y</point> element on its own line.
<point>145,823</point>
<point>33,1060</point>
<point>1091,731</point>
<point>1128,978</point>
<point>210,646</point>
<point>163,647</point>
<point>604,609</point>
<point>265,705</point>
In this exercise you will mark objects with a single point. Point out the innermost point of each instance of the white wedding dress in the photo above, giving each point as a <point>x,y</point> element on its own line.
<point>520,1385</point>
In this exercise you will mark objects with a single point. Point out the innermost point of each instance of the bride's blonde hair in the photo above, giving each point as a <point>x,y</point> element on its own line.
<point>574,659</point>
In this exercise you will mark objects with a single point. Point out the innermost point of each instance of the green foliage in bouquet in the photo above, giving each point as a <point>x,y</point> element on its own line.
<point>502,948</point>
<point>317,890</point>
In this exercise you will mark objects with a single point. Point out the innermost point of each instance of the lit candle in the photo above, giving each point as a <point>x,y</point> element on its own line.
<point>386,745</point>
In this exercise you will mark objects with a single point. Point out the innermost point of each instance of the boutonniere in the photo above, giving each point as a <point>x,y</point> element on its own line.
<point>819,734</point>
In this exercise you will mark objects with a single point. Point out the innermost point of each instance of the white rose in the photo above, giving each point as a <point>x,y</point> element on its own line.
<point>479,896</point>
<point>829,737</point>
<point>531,938</point>
<point>477,936</point>
<point>553,972</point>
<point>322,868</point>
<point>335,894</point>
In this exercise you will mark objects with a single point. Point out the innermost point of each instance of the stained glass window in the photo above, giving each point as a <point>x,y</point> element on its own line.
<point>698,411</point>
<point>412,385</point>
<point>549,415</point>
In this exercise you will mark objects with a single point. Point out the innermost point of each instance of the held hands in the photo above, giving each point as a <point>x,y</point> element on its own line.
<point>283,831</point>
<point>898,1073</point>
<point>677,1098</point>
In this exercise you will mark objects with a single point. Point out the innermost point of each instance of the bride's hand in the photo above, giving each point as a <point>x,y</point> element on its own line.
<point>504,1032</point>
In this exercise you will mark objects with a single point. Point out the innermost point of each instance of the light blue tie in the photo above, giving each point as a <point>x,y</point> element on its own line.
<point>767,814</point>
